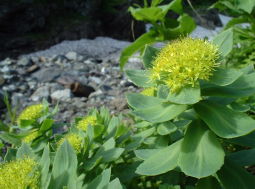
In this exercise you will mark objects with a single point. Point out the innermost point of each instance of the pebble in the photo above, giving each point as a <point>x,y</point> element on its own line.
<point>71,55</point>
<point>41,93</point>
<point>61,95</point>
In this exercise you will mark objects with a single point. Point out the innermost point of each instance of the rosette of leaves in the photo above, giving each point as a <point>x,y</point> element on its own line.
<point>202,128</point>
<point>163,28</point>
<point>33,125</point>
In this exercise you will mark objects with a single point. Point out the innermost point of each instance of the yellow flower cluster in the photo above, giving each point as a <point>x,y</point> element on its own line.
<point>30,137</point>
<point>183,62</point>
<point>86,121</point>
<point>19,174</point>
<point>74,140</point>
<point>148,91</point>
<point>32,112</point>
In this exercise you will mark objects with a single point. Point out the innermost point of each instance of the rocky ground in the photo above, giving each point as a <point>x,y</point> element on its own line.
<point>79,75</point>
<point>77,78</point>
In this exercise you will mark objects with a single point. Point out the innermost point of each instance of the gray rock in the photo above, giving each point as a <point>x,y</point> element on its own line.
<point>47,74</point>
<point>61,95</point>
<point>100,47</point>
<point>71,55</point>
<point>24,62</point>
<point>5,69</point>
<point>97,80</point>
<point>41,93</point>
<point>6,61</point>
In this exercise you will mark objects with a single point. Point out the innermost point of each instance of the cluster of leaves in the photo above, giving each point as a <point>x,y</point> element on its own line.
<point>205,131</point>
<point>243,12</point>
<point>201,137</point>
<point>163,27</point>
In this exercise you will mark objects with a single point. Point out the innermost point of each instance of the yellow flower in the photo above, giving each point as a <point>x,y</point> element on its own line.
<point>183,62</point>
<point>148,91</point>
<point>32,112</point>
<point>30,137</point>
<point>86,121</point>
<point>19,174</point>
<point>74,140</point>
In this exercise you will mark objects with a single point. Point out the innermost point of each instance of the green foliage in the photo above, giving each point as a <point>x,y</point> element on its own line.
<point>243,36</point>
<point>163,28</point>
<point>200,137</point>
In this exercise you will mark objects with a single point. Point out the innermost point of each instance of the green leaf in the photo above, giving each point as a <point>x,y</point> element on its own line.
<point>149,14</point>
<point>10,154</point>
<point>139,101</point>
<point>208,183</point>
<point>161,162</point>
<point>112,154</point>
<point>166,128</point>
<point>100,181</point>
<point>145,153</point>
<point>186,25</point>
<point>148,56</point>
<point>46,124</point>
<point>163,91</point>
<point>160,113</point>
<point>175,5</point>
<point>246,141</point>
<point>242,87</point>
<point>225,122</point>
<point>238,20</point>
<point>167,186</point>
<point>25,151</point>
<point>201,154</point>
<point>64,167</point>
<point>223,77</point>
<point>153,109</point>
<point>115,184</point>
<point>246,5</point>
<point>10,138</point>
<point>93,162</point>
<point>239,107</point>
<point>147,38</point>
<point>45,165</point>
<point>156,2</point>
<point>112,126</point>
<point>141,78</point>
<point>243,157</point>
<point>232,176</point>
<point>224,41</point>
<point>188,95</point>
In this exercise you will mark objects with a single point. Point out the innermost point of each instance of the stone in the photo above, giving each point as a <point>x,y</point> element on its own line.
<point>71,55</point>
<point>6,61</point>
<point>97,80</point>
<point>47,74</point>
<point>41,93</point>
<point>61,95</point>
<point>32,68</point>
<point>5,69</point>
<point>24,61</point>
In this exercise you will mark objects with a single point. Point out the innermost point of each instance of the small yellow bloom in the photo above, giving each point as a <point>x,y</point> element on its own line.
<point>74,140</point>
<point>19,174</point>
<point>30,137</point>
<point>86,121</point>
<point>183,62</point>
<point>148,91</point>
<point>32,112</point>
